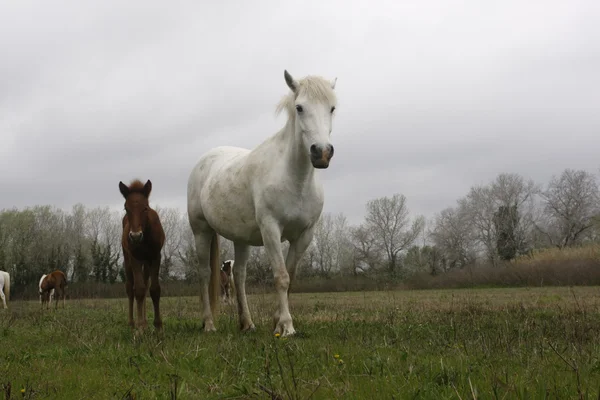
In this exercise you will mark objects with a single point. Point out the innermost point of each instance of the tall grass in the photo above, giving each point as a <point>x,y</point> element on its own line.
<point>577,266</point>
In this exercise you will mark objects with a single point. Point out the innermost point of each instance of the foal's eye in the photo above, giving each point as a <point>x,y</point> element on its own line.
<point>299,108</point>
<point>332,109</point>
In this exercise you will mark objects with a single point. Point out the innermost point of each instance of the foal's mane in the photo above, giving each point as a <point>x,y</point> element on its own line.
<point>315,88</point>
<point>137,186</point>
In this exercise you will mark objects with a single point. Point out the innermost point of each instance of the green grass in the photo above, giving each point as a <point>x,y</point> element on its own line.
<point>447,344</point>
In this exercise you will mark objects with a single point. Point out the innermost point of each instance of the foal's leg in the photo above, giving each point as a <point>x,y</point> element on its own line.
<point>242,253</point>
<point>271,235</point>
<point>155,291</point>
<point>147,268</point>
<point>130,293</point>
<point>203,240</point>
<point>139,288</point>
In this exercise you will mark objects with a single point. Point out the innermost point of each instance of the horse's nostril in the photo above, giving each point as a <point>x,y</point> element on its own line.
<point>313,149</point>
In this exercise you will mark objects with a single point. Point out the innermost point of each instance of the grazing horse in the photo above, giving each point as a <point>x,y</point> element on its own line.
<point>227,284</point>
<point>142,241</point>
<point>4,287</point>
<point>53,283</point>
<point>40,290</point>
<point>262,197</point>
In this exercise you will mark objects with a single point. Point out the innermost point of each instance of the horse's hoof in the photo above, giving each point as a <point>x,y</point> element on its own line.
<point>209,326</point>
<point>284,328</point>
<point>248,327</point>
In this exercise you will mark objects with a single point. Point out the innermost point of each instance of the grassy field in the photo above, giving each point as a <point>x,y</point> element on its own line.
<point>447,344</point>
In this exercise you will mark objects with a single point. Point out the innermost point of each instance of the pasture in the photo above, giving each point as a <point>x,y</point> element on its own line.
<point>445,344</point>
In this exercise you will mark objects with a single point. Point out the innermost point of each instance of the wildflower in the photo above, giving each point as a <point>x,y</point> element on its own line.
<point>277,334</point>
<point>340,361</point>
<point>336,356</point>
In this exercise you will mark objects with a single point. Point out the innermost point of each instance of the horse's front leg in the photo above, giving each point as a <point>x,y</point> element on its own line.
<point>271,235</point>
<point>130,293</point>
<point>294,255</point>
<point>139,289</point>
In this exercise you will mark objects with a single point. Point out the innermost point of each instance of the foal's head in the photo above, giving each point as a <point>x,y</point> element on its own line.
<point>137,207</point>
<point>312,104</point>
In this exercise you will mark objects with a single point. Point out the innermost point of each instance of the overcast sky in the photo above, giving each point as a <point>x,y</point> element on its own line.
<point>434,96</point>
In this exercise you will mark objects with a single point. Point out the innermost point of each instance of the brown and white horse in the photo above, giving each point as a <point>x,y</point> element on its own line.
<point>53,284</point>
<point>227,285</point>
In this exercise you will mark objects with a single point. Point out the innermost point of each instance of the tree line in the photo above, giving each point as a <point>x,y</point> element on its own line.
<point>493,223</point>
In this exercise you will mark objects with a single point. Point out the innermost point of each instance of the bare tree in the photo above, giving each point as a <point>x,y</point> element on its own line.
<point>170,219</point>
<point>571,202</point>
<point>388,218</point>
<point>484,204</point>
<point>367,249</point>
<point>453,236</point>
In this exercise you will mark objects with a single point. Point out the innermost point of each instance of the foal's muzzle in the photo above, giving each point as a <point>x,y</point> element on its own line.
<point>320,157</point>
<point>136,237</point>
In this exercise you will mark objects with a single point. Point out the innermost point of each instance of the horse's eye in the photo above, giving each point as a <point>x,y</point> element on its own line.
<point>332,109</point>
<point>299,108</point>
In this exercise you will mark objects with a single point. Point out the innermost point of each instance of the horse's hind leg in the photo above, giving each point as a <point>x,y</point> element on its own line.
<point>203,240</point>
<point>155,292</point>
<point>242,252</point>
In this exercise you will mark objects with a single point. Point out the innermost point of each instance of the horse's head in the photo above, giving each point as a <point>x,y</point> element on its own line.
<point>313,101</point>
<point>137,207</point>
<point>226,267</point>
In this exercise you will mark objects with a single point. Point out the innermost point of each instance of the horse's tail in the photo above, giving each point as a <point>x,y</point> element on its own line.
<point>7,286</point>
<point>215,277</point>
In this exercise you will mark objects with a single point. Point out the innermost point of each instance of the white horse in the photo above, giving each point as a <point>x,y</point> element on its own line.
<point>40,291</point>
<point>4,287</point>
<point>264,197</point>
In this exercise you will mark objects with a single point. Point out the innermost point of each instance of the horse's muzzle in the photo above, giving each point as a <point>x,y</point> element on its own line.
<point>320,157</point>
<point>136,237</point>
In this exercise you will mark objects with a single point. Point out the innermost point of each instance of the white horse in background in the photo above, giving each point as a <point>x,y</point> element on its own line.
<point>4,287</point>
<point>40,291</point>
<point>262,197</point>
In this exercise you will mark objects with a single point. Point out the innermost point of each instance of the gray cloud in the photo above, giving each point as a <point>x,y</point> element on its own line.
<point>434,97</point>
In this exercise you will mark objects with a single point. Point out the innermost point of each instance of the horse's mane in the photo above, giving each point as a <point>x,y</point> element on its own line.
<point>136,186</point>
<point>315,88</point>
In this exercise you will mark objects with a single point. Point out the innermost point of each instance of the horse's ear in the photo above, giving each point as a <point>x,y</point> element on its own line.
<point>123,189</point>
<point>147,188</point>
<point>333,82</point>
<point>291,82</point>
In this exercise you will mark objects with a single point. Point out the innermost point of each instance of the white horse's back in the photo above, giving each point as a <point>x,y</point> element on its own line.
<point>217,176</point>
